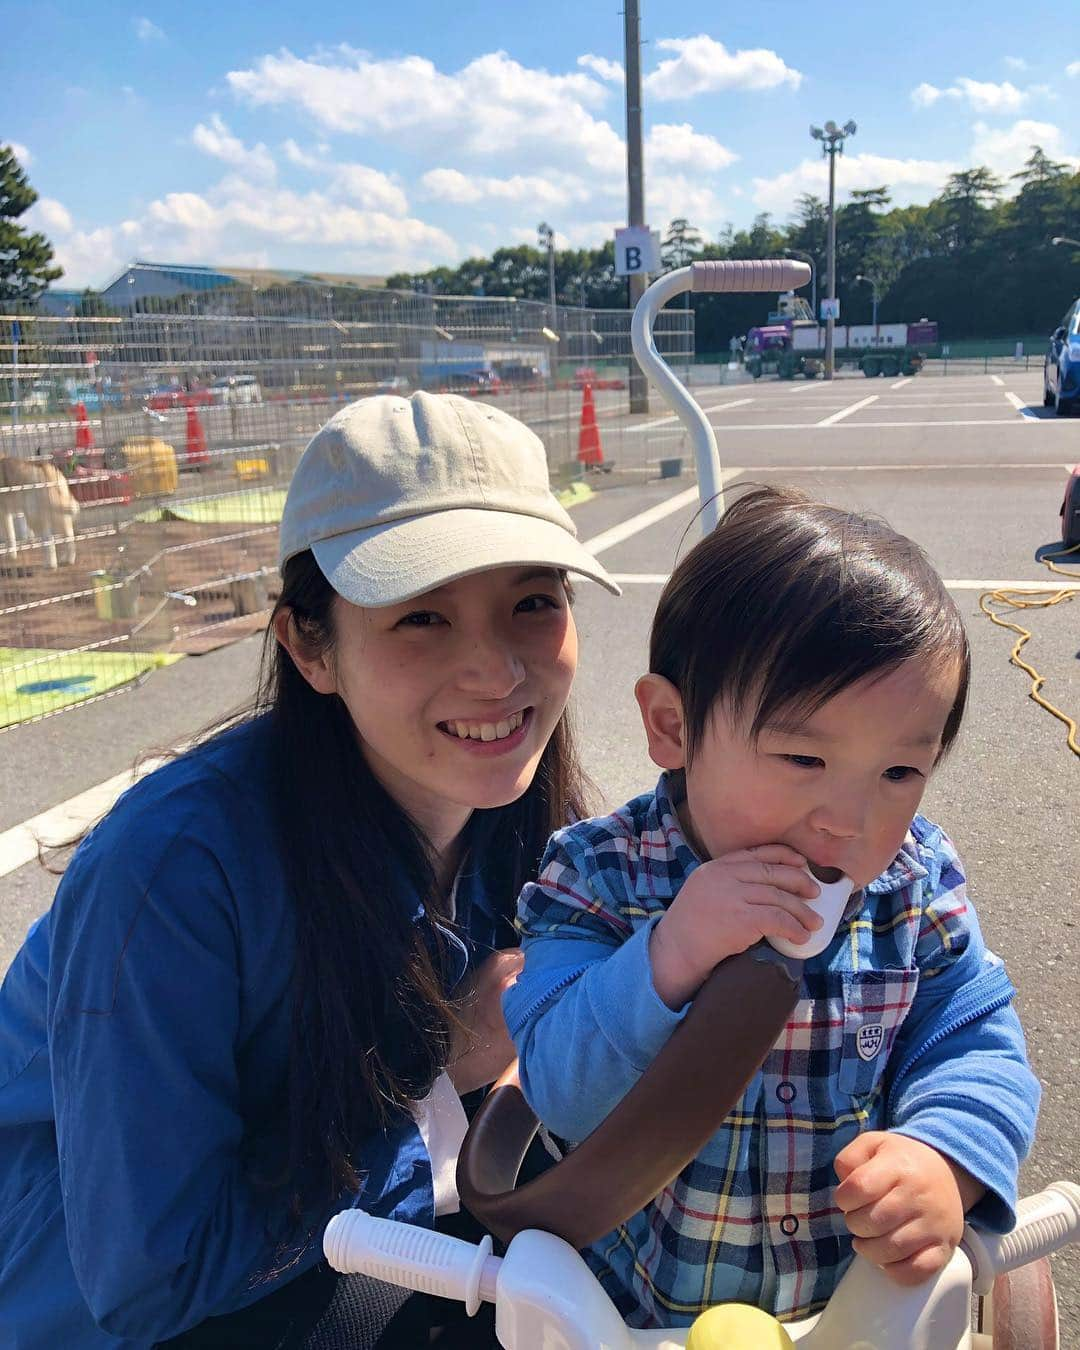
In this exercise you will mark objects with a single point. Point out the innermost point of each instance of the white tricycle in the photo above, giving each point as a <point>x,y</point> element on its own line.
<point>545,1296</point>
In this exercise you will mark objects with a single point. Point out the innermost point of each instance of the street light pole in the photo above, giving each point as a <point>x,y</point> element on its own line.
<point>832,140</point>
<point>1061,239</point>
<point>546,236</point>
<point>635,178</point>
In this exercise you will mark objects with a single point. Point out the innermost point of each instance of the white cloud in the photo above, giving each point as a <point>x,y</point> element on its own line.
<point>1004,150</point>
<point>1073,69</point>
<point>217,140</point>
<point>21,153</point>
<point>494,106</point>
<point>704,66</point>
<point>982,96</point>
<point>1016,63</point>
<point>680,144</point>
<point>369,188</point>
<point>908,180</point>
<point>611,71</point>
<point>451,185</point>
<point>234,222</point>
<point>52,216</point>
<point>146,31</point>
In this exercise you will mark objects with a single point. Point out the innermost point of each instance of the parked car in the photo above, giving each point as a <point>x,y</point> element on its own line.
<point>236,389</point>
<point>479,381</point>
<point>1061,366</point>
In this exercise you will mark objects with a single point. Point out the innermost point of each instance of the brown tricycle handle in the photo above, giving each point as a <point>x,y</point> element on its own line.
<point>663,1122</point>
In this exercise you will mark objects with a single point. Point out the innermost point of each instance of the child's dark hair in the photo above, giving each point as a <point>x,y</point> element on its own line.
<point>788,601</point>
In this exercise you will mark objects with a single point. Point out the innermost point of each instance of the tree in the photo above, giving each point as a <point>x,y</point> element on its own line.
<point>961,212</point>
<point>681,243</point>
<point>25,258</point>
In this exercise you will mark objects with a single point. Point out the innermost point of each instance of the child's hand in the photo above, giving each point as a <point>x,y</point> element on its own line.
<point>725,906</point>
<point>904,1203</point>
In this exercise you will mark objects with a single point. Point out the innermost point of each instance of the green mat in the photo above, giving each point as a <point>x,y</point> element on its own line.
<point>60,679</point>
<point>257,506</point>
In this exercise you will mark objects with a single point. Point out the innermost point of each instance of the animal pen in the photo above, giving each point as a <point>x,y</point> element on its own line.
<point>145,453</point>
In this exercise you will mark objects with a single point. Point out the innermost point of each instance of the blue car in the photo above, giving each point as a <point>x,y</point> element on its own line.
<point>1061,368</point>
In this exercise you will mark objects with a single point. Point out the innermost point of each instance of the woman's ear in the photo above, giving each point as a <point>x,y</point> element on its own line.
<point>662,713</point>
<point>314,664</point>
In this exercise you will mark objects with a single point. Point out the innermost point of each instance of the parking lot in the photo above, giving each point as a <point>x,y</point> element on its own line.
<point>971,466</point>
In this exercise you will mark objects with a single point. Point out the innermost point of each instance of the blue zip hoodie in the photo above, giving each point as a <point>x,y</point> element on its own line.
<point>144,1039</point>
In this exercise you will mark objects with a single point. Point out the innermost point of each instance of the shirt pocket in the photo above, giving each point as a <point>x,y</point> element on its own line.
<point>876,1002</point>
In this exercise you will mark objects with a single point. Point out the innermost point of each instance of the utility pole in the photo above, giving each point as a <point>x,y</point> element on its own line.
<point>635,178</point>
<point>832,140</point>
<point>546,235</point>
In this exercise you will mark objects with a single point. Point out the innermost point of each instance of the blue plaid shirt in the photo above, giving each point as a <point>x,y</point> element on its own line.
<point>903,1023</point>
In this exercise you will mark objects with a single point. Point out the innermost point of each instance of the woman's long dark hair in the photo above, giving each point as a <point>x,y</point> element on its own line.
<point>371,1018</point>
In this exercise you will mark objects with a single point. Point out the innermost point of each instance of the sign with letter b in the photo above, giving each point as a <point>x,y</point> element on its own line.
<point>637,249</point>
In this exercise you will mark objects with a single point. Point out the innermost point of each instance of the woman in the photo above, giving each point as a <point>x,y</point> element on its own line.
<point>236,1017</point>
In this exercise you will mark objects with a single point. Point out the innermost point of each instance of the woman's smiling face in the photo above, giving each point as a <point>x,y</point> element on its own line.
<point>455,693</point>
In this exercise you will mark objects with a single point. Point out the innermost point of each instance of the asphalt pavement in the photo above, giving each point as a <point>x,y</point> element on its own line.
<point>973,468</point>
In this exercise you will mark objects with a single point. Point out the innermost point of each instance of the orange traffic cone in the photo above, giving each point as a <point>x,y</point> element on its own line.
<point>196,452</point>
<point>588,447</point>
<point>84,437</point>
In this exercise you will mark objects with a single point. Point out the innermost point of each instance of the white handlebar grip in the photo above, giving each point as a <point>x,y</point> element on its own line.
<point>769,274</point>
<point>1044,1223</point>
<point>356,1243</point>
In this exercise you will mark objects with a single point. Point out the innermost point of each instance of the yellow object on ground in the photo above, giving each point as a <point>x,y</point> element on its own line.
<point>251,468</point>
<point>153,465</point>
<point>251,506</point>
<point>34,682</point>
<point>737,1326</point>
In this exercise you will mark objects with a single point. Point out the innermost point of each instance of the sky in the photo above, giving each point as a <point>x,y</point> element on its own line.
<point>355,137</point>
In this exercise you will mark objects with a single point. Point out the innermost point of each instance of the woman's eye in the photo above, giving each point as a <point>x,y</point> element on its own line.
<point>420,618</point>
<point>804,761</point>
<point>900,773</point>
<point>533,604</point>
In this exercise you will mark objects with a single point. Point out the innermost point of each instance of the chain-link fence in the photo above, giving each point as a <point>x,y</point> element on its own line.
<point>144,456</point>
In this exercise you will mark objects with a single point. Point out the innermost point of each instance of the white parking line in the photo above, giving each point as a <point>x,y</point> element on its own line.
<point>19,845</point>
<point>906,379</point>
<point>905,468</point>
<point>997,379</point>
<point>846,412</point>
<point>600,543</point>
<point>1021,407</point>
<point>671,417</point>
<point>888,426</point>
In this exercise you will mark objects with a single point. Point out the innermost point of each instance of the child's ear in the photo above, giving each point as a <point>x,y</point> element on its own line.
<point>314,666</point>
<point>662,713</point>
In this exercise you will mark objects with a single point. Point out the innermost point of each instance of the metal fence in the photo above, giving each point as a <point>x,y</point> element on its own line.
<point>144,456</point>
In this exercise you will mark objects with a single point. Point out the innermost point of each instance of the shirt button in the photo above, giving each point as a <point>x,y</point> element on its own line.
<point>785,1091</point>
<point>789,1225</point>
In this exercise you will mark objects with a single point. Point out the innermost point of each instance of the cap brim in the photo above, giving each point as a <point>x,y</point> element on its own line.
<point>389,563</point>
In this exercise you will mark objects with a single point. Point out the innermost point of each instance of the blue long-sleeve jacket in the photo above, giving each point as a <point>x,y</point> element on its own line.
<point>144,1038</point>
<point>904,1023</point>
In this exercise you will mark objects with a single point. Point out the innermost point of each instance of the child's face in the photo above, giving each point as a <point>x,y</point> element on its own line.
<point>840,787</point>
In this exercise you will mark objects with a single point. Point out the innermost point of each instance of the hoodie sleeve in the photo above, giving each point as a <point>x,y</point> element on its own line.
<point>584,1014</point>
<point>962,1083</point>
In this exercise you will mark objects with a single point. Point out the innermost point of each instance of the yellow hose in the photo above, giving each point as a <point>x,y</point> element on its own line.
<point>1035,600</point>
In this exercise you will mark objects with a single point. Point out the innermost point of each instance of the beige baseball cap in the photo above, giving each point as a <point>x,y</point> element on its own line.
<point>395,496</point>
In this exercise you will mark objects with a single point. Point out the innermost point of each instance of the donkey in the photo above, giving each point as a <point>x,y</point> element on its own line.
<point>37,490</point>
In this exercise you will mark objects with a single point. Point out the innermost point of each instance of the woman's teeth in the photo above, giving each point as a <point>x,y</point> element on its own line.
<point>485,731</point>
